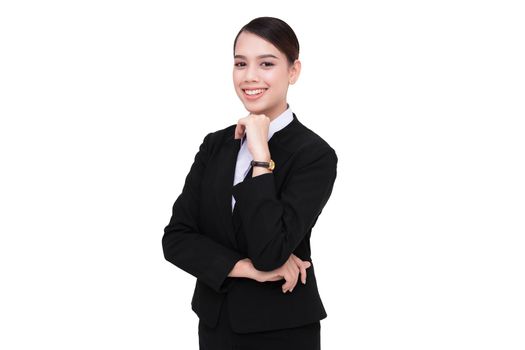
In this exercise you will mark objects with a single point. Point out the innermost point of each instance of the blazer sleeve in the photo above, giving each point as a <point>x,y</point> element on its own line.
<point>183,244</point>
<point>273,225</point>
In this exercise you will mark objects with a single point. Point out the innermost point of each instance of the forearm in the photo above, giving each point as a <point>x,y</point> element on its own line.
<point>274,223</point>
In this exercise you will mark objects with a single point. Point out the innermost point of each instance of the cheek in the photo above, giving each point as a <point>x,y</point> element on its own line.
<point>276,78</point>
<point>270,76</point>
<point>236,77</point>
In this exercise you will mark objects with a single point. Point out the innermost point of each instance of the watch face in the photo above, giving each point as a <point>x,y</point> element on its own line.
<point>272,165</point>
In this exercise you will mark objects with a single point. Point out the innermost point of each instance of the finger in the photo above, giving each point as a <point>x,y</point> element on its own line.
<point>297,271</point>
<point>300,262</point>
<point>288,276</point>
<point>303,273</point>
<point>306,265</point>
<point>294,269</point>
<point>239,130</point>
<point>303,265</point>
<point>294,274</point>
<point>296,259</point>
<point>289,268</point>
<point>285,286</point>
<point>288,282</point>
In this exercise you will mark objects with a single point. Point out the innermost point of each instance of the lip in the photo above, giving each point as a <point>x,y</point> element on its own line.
<point>250,97</point>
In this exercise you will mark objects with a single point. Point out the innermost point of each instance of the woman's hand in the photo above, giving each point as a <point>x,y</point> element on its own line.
<point>256,127</point>
<point>290,271</point>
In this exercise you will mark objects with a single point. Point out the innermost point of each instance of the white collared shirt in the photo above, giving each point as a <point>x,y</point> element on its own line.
<point>244,157</point>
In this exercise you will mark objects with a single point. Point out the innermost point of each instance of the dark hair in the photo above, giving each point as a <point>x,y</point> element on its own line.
<point>277,32</point>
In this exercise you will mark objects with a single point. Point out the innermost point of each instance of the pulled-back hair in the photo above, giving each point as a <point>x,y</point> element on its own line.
<point>277,32</point>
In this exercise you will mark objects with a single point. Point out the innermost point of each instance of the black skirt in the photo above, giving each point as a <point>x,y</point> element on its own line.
<point>222,337</point>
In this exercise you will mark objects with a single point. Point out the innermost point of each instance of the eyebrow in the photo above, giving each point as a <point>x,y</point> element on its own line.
<point>260,56</point>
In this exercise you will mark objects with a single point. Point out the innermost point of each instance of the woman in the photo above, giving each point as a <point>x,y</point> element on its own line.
<point>243,221</point>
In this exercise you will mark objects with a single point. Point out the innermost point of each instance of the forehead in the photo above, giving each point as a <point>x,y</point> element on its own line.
<point>252,45</point>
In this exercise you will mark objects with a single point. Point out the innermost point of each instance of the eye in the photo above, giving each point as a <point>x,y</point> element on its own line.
<point>239,64</point>
<point>267,64</point>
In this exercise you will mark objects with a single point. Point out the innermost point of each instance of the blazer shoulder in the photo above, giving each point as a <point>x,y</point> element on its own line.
<point>214,139</point>
<point>307,140</point>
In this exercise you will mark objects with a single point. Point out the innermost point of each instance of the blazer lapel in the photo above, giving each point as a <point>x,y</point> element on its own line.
<point>227,160</point>
<point>225,171</point>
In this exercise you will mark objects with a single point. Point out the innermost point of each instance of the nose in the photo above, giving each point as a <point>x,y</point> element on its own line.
<point>251,73</point>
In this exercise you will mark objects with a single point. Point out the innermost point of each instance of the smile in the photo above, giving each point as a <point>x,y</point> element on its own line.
<point>253,94</point>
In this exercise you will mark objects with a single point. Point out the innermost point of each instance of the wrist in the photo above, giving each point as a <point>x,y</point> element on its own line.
<point>261,156</point>
<point>243,268</point>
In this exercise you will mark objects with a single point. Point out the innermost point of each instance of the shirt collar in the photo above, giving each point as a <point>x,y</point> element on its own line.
<point>280,122</point>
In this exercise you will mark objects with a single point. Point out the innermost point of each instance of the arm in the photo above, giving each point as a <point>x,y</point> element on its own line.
<point>273,226</point>
<point>182,243</point>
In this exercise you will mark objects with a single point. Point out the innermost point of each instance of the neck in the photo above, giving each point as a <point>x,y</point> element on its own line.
<point>278,111</point>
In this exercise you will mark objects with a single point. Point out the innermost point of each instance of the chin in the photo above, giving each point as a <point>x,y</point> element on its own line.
<point>254,110</point>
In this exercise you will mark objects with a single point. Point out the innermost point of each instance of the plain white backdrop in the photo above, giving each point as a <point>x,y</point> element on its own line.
<point>103,105</point>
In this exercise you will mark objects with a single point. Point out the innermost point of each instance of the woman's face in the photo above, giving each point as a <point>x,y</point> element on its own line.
<point>261,75</point>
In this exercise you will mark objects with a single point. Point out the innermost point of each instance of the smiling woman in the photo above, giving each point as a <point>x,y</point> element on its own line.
<point>265,63</point>
<point>243,221</point>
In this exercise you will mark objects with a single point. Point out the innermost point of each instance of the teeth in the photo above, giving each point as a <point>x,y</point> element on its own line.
<point>254,92</point>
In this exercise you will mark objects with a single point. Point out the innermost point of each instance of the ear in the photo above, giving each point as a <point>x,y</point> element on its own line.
<point>294,71</point>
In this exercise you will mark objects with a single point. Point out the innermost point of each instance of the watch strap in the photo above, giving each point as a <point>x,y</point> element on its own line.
<point>268,165</point>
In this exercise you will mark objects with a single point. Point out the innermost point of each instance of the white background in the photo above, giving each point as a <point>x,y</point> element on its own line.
<point>103,105</point>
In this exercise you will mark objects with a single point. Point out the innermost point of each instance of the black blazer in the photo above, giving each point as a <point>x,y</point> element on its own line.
<point>273,217</point>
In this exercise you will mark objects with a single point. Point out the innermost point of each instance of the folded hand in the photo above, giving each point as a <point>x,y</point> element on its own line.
<point>289,271</point>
